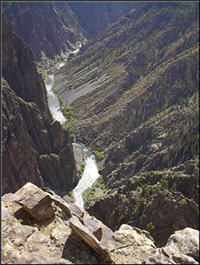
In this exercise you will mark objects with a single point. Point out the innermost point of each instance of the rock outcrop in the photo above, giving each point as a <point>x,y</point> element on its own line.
<point>48,28</point>
<point>185,241</point>
<point>34,147</point>
<point>67,239</point>
<point>38,206</point>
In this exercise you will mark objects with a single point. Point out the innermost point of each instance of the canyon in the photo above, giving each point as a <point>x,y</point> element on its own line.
<point>127,89</point>
<point>34,147</point>
<point>140,107</point>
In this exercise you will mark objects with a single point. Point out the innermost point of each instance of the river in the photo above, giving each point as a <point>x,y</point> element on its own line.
<point>90,173</point>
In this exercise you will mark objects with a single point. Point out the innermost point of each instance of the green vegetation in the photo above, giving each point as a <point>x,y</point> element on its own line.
<point>68,113</point>
<point>43,72</point>
<point>150,226</point>
<point>42,229</point>
<point>99,155</point>
<point>174,188</point>
<point>81,169</point>
<point>10,220</point>
<point>121,219</point>
<point>70,194</point>
<point>164,183</point>
<point>89,194</point>
<point>183,201</point>
<point>140,205</point>
<point>150,190</point>
<point>144,216</point>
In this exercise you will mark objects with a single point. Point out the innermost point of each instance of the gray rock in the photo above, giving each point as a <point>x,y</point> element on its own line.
<point>76,210</point>
<point>94,227</point>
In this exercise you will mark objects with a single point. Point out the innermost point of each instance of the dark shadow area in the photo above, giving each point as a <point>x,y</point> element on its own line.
<point>26,219</point>
<point>78,252</point>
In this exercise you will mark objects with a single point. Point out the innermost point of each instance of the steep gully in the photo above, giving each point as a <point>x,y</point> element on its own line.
<point>90,173</point>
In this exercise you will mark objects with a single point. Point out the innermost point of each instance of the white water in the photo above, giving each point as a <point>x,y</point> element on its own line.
<point>90,173</point>
<point>54,105</point>
<point>60,65</point>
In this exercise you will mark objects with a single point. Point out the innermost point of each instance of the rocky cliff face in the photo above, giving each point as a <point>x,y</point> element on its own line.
<point>34,147</point>
<point>136,98</point>
<point>48,28</point>
<point>40,227</point>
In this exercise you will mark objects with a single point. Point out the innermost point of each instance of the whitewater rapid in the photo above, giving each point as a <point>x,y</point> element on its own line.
<point>89,176</point>
<point>53,101</point>
<point>90,173</point>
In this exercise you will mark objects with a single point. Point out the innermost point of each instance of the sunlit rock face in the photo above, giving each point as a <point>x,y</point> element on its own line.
<point>35,148</point>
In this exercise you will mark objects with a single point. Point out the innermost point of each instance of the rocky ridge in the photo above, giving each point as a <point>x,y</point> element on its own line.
<point>34,147</point>
<point>48,28</point>
<point>64,234</point>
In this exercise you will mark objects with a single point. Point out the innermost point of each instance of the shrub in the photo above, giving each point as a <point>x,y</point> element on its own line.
<point>150,226</point>
<point>174,187</point>
<point>121,219</point>
<point>183,202</point>
<point>99,155</point>
<point>140,204</point>
<point>81,169</point>
<point>164,183</point>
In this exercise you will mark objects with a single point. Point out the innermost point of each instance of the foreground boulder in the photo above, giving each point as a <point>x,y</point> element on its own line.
<point>185,241</point>
<point>35,201</point>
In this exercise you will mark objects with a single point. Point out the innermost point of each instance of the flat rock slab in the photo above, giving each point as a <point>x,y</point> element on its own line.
<point>76,210</point>
<point>94,226</point>
<point>35,201</point>
<point>83,232</point>
<point>98,228</point>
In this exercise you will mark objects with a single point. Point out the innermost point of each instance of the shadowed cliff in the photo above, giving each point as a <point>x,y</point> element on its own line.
<point>34,147</point>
